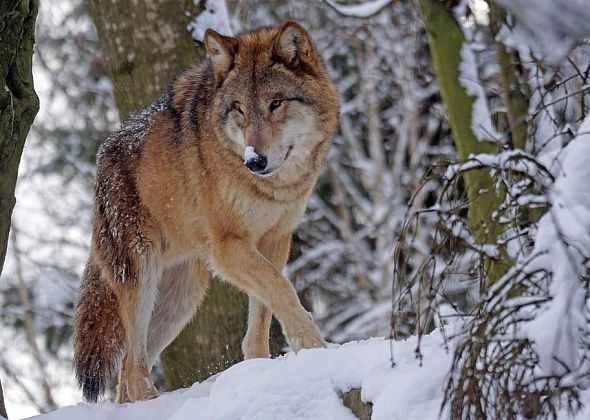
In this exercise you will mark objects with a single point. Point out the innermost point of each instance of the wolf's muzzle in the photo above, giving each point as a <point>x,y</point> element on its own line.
<point>256,164</point>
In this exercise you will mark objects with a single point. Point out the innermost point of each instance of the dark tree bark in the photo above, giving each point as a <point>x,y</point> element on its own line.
<point>145,46</point>
<point>18,105</point>
<point>18,101</point>
<point>2,408</point>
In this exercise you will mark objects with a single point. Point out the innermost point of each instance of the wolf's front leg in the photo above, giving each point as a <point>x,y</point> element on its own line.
<point>255,345</point>
<point>136,303</point>
<point>238,261</point>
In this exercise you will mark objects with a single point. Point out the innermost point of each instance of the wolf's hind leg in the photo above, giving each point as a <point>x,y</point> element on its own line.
<point>136,303</point>
<point>181,291</point>
<point>122,395</point>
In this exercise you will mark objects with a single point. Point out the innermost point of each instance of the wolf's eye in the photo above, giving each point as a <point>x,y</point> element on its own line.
<point>236,107</point>
<point>275,104</point>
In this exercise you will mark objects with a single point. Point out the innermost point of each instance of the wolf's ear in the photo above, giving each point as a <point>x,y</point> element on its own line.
<point>221,49</point>
<point>292,44</point>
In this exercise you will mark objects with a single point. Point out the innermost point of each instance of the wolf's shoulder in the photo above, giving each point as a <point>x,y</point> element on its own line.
<point>129,138</point>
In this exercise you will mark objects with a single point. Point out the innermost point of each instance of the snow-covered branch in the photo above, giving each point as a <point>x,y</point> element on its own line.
<point>363,10</point>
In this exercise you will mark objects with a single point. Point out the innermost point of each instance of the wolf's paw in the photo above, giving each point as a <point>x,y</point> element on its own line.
<point>308,339</point>
<point>142,389</point>
<point>255,350</point>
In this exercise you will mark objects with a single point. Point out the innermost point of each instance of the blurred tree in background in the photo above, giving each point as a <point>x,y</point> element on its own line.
<point>142,60</point>
<point>446,40</point>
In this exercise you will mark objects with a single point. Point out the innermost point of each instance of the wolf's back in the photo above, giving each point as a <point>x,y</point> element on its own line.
<point>98,334</point>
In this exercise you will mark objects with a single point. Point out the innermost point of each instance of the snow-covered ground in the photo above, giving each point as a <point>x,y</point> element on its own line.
<point>306,385</point>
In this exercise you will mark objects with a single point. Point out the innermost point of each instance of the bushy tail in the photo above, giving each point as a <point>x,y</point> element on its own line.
<point>98,334</point>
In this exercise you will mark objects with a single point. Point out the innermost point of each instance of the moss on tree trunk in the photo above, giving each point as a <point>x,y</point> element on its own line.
<point>18,105</point>
<point>445,39</point>
<point>513,94</point>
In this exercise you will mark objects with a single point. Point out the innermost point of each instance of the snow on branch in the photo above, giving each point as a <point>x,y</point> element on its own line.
<point>363,10</point>
<point>537,313</point>
<point>563,245</point>
<point>552,26</point>
<point>214,16</point>
<point>510,160</point>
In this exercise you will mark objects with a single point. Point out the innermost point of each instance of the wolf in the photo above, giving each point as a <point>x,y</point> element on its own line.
<point>211,179</point>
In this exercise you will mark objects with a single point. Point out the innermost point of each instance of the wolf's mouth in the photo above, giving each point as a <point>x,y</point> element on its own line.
<point>269,171</point>
<point>266,171</point>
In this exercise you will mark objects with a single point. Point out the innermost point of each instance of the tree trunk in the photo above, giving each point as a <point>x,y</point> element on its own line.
<point>2,408</point>
<point>445,39</point>
<point>516,100</point>
<point>145,43</point>
<point>18,105</point>
<point>212,341</point>
<point>18,101</point>
<point>145,46</point>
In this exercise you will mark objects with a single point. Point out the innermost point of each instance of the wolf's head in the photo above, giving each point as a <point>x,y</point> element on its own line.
<point>274,103</point>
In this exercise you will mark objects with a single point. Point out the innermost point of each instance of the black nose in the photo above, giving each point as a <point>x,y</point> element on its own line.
<point>256,164</point>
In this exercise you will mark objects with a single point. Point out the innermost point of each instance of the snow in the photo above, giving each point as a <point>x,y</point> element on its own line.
<point>249,154</point>
<point>554,25</point>
<point>559,327</point>
<point>563,244</point>
<point>306,385</point>
<point>362,10</point>
<point>481,122</point>
<point>215,16</point>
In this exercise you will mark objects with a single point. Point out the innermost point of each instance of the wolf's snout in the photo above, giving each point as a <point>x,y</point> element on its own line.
<point>253,161</point>
<point>256,164</point>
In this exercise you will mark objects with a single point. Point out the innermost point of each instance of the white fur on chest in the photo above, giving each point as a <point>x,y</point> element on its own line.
<point>257,214</point>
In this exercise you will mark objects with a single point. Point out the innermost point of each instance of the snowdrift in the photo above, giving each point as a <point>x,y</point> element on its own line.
<point>306,385</point>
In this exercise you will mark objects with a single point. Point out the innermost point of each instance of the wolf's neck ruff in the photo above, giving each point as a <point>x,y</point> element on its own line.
<point>211,178</point>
